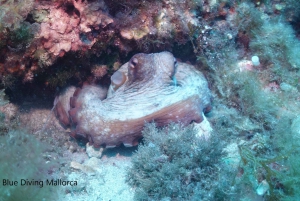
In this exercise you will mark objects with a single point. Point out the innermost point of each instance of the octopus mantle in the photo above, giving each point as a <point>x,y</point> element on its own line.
<point>148,88</point>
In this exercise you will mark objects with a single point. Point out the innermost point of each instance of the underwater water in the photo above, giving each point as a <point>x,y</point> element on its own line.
<point>166,100</point>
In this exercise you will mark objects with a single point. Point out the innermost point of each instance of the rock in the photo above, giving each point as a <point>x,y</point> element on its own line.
<point>93,152</point>
<point>84,168</point>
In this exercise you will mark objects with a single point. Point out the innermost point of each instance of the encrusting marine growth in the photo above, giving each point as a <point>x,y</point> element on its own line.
<point>148,88</point>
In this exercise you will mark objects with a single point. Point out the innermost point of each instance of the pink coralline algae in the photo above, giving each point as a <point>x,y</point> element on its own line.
<point>65,27</point>
<point>51,29</point>
<point>148,88</point>
<point>87,27</point>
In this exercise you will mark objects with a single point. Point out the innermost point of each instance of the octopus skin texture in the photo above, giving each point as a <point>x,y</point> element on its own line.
<point>148,88</point>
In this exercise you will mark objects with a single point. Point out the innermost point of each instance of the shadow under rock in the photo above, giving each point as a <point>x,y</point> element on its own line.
<point>121,151</point>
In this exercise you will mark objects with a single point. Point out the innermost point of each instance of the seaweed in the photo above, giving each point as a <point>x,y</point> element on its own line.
<point>174,164</point>
<point>275,163</point>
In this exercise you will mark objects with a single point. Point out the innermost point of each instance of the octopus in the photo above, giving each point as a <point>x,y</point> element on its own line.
<point>149,88</point>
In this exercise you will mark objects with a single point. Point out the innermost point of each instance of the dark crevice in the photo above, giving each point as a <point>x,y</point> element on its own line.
<point>71,10</point>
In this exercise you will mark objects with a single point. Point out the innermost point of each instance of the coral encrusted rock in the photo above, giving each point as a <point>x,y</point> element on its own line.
<point>148,88</point>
